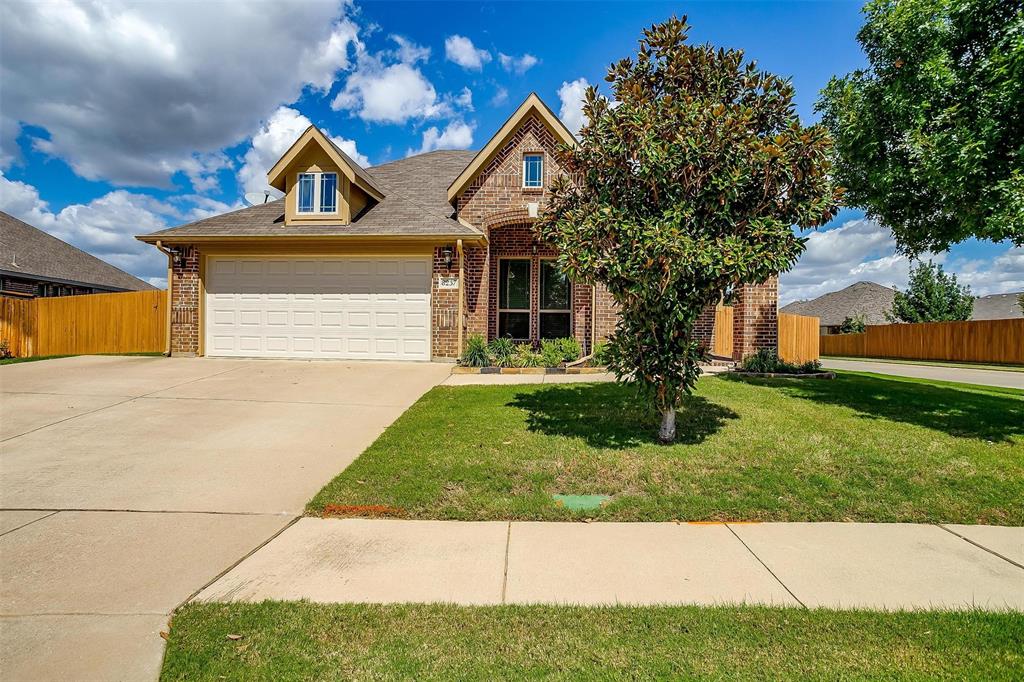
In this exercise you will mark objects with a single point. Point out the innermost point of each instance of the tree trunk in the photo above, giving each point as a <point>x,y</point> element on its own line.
<point>667,433</point>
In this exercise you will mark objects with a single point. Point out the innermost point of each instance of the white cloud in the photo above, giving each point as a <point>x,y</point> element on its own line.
<point>858,250</point>
<point>134,92</point>
<point>389,94</point>
<point>465,99</point>
<point>500,97</point>
<point>517,65</point>
<point>273,139</point>
<point>456,135</point>
<point>571,95</point>
<point>106,226</point>
<point>461,50</point>
<point>1001,275</point>
<point>409,52</point>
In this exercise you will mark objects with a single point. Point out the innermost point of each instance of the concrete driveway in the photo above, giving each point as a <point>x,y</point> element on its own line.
<point>127,484</point>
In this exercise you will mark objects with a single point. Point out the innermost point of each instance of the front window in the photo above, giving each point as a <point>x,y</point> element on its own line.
<point>533,170</point>
<point>555,302</point>
<point>514,299</point>
<point>307,188</point>
<point>329,193</point>
<point>317,193</point>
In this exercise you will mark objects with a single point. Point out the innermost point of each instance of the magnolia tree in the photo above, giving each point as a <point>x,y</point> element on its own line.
<point>686,182</point>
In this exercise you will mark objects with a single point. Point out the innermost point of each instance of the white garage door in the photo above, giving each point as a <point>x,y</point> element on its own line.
<point>351,308</point>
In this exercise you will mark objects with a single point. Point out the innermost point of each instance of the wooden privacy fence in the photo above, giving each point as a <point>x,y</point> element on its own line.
<point>128,322</point>
<point>798,338</point>
<point>722,336</point>
<point>974,341</point>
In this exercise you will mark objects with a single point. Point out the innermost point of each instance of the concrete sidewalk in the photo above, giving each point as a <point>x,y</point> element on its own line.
<point>840,565</point>
<point>966,375</point>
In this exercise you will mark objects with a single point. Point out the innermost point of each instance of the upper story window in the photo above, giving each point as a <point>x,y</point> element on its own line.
<point>533,170</point>
<point>317,193</point>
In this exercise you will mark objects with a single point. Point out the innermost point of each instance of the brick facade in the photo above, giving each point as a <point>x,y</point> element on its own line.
<point>185,301</point>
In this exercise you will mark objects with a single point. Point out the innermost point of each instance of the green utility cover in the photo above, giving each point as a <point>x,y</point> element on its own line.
<point>581,502</point>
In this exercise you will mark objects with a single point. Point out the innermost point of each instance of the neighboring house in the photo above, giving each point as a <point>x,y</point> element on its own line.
<point>997,307</point>
<point>35,264</point>
<point>400,261</point>
<point>871,300</point>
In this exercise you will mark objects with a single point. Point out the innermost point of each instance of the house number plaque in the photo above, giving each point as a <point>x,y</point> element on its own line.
<point>447,282</point>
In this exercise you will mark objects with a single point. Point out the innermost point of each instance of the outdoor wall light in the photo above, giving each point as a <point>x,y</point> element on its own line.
<point>447,253</point>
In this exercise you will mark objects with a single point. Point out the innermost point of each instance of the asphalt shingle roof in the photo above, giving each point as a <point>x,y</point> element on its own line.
<point>27,250</point>
<point>997,307</point>
<point>415,204</point>
<point>863,298</point>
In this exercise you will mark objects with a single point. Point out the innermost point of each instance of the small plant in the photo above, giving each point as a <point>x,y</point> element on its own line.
<point>856,324</point>
<point>476,353</point>
<point>5,350</point>
<point>502,352</point>
<point>525,356</point>
<point>766,361</point>
<point>600,357</point>
<point>554,352</point>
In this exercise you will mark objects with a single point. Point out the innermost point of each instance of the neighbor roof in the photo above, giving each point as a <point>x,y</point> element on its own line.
<point>863,298</point>
<point>29,252</point>
<point>997,307</point>
<point>414,204</point>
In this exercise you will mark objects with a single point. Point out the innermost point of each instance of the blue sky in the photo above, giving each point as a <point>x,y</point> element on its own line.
<point>159,113</point>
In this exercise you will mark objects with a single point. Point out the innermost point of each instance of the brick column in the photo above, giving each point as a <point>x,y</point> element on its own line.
<point>704,328</point>
<point>755,320</point>
<point>185,301</point>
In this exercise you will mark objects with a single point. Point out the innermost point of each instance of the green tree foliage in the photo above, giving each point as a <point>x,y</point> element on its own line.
<point>854,324</point>
<point>932,296</point>
<point>930,137</point>
<point>688,185</point>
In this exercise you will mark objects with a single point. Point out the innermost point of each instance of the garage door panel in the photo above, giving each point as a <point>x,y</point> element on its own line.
<point>334,307</point>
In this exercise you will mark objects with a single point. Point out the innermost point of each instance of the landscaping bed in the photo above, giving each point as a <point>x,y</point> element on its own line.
<point>859,448</point>
<point>300,640</point>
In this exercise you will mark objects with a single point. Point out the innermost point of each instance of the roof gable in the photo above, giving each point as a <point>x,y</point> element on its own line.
<point>356,174</point>
<point>531,105</point>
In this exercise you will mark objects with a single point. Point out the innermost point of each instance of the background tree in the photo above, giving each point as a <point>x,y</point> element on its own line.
<point>930,137</point>
<point>688,185</point>
<point>854,324</point>
<point>932,296</point>
<point>1020,301</point>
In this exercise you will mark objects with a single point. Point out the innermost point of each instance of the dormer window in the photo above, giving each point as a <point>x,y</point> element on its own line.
<point>317,193</point>
<point>533,170</point>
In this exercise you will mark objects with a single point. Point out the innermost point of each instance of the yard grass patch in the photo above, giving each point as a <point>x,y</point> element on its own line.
<point>859,448</point>
<point>300,640</point>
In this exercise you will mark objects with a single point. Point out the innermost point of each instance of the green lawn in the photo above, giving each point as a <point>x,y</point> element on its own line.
<point>932,363</point>
<point>299,640</point>
<point>859,448</point>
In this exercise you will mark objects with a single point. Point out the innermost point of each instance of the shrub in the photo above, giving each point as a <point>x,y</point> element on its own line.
<point>5,350</point>
<point>600,358</point>
<point>554,352</point>
<point>476,353</point>
<point>525,356</point>
<point>502,352</point>
<point>766,361</point>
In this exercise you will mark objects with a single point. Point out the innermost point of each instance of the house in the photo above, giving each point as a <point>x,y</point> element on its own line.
<point>997,307</point>
<point>35,264</point>
<point>399,261</point>
<point>871,300</point>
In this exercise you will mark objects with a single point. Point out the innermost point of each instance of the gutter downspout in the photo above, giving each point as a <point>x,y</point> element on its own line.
<point>462,294</point>
<point>170,279</point>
